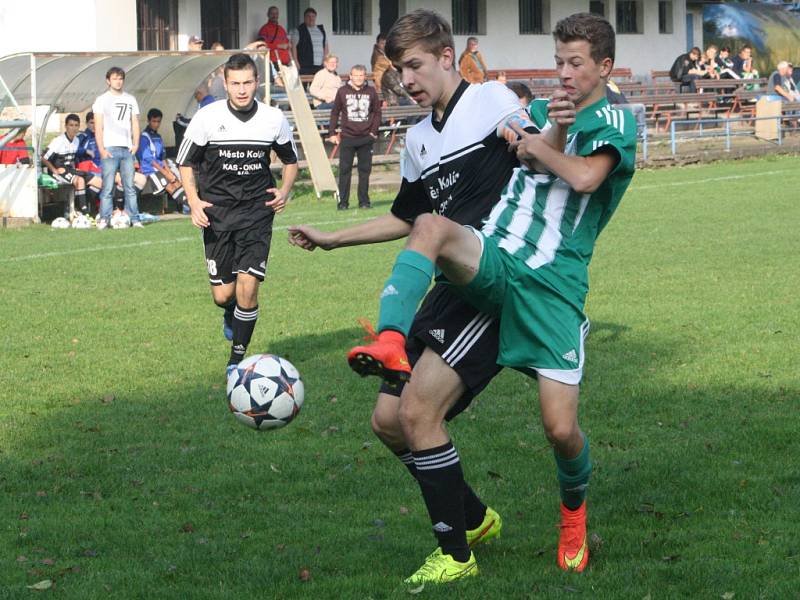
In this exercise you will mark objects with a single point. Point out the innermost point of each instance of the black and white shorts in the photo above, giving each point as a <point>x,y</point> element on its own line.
<point>465,338</point>
<point>155,184</point>
<point>229,253</point>
<point>67,177</point>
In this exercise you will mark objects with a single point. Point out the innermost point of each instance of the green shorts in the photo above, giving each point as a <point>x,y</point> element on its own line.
<point>540,331</point>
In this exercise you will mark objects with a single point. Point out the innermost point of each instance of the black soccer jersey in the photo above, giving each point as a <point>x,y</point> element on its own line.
<point>231,150</point>
<point>458,166</point>
<point>61,151</point>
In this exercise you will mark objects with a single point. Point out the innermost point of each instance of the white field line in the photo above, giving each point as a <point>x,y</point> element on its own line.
<point>145,243</point>
<point>636,188</point>
<point>633,188</point>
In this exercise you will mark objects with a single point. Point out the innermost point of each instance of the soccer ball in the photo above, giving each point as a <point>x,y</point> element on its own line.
<point>120,221</point>
<point>81,222</point>
<point>265,392</point>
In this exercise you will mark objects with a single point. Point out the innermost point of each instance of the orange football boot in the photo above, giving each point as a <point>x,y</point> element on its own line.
<point>573,548</point>
<point>385,357</point>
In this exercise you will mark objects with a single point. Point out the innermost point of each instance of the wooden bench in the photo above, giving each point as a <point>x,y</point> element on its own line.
<point>532,75</point>
<point>678,106</point>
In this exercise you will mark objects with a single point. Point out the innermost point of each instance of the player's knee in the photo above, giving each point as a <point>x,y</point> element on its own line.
<point>386,425</point>
<point>222,297</point>
<point>560,433</point>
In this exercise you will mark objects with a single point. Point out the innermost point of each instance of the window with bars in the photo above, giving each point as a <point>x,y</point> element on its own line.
<point>469,17</point>
<point>157,24</point>
<point>219,22</point>
<point>598,7</point>
<point>630,16</point>
<point>351,17</point>
<point>665,16</point>
<point>294,13</point>
<point>534,16</point>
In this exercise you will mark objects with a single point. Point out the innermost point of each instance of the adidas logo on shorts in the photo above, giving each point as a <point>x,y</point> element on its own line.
<point>571,356</point>
<point>438,335</point>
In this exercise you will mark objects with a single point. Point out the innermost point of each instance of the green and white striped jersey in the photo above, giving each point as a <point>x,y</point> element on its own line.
<point>548,225</point>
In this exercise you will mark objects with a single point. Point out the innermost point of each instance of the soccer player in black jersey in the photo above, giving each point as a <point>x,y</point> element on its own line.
<point>454,163</point>
<point>229,144</point>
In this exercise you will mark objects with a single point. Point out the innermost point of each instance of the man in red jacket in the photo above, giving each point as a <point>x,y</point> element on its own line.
<point>275,37</point>
<point>360,111</point>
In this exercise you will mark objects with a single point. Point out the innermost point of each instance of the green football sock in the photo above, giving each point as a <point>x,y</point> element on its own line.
<point>404,290</point>
<point>573,477</point>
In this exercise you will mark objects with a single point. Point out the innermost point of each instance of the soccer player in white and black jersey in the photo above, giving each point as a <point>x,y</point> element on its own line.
<point>59,158</point>
<point>229,143</point>
<point>455,164</point>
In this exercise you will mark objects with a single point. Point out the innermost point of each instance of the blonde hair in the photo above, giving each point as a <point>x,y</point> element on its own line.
<point>423,27</point>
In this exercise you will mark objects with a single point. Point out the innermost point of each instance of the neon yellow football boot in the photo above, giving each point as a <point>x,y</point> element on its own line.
<point>489,529</point>
<point>442,568</point>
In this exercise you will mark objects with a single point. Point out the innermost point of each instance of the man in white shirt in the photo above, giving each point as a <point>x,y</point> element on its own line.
<point>117,131</point>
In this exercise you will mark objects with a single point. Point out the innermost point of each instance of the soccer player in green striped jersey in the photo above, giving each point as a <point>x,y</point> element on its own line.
<point>529,263</point>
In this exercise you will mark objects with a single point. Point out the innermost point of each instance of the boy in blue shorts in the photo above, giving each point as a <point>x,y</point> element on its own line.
<point>529,263</point>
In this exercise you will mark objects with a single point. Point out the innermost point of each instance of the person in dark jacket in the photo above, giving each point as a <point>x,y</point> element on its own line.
<point>360,110</point>
<point>309,44</point>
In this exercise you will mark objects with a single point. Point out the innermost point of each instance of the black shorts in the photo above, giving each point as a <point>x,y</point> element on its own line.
<point>467,340</point>
<point>155,184</point>
<point>229,253</point>
<point>68,176</point>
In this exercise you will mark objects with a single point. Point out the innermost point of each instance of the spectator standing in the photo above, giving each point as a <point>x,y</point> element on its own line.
<point>309,44</point>
<point>15,151</point>
<point>379,62</point>
<point>360,111</point>
<point>117,133</point>
<point>275,38</point>
<point>216,83</point>
<point>325,84</point>
<point>470,63</point>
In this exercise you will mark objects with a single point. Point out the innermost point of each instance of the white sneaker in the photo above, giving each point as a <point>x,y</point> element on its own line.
<point>138,224</point>
<point>102,223</point>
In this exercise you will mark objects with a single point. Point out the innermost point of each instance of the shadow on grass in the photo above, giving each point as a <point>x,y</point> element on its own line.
<point>156,489</point>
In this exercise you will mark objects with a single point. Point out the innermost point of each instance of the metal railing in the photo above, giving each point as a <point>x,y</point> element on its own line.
<point>722,129</point>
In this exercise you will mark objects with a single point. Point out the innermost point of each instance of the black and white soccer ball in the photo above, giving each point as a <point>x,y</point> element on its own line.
<point>265,391</point>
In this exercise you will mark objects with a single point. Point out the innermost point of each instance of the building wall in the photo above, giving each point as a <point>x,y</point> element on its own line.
<point>502,46</point>
<point>75,26</point>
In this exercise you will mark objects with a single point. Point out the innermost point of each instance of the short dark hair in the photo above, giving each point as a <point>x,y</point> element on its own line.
<point>309,10</point>
<point>89,116</point>
<point>592,28</point>
<point>725,49</point>
<point>154,113</point>
<point>72,117</point>
<point>745,47</point>
<point>358,68</point>
<point>422,26</point>
<point>240,62</point>
<point>115,71</point>
<point>520,89</point>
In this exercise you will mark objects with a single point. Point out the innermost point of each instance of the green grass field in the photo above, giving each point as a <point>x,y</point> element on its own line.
<point>123,475</point>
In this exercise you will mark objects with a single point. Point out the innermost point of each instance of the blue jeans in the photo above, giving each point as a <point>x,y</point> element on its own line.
<point>121,160</point>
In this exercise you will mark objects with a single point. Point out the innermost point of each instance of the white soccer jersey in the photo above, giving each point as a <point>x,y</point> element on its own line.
<point>458,166</point>
<point>117,111</point>
<point>61,151</point>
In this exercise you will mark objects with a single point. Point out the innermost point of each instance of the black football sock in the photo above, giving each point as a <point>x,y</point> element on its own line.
<point>407,458</point>
<point>442,483</point>
<point>474,509</point>
<point>244,322</point>
<point>80,201</point>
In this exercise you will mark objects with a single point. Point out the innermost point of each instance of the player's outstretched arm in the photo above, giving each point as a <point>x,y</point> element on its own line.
<point>381,229</point>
